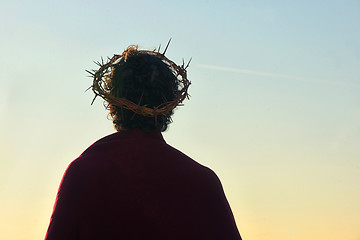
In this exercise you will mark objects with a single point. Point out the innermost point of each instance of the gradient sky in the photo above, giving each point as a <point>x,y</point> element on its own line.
<point>274,108</point>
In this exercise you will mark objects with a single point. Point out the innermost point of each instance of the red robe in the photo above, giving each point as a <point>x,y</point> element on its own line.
<point>131,185</point>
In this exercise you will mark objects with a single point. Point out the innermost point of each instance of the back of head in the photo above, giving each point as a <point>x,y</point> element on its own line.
<point>145,80</point>
<point>141,89</point>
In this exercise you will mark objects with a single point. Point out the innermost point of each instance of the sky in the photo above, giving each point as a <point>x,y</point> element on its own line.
<point>274,107</point>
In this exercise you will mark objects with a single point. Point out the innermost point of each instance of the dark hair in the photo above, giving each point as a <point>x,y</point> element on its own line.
<point>146,80</point>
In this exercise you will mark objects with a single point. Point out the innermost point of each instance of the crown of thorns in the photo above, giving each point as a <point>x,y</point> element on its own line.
<point>103,74</point>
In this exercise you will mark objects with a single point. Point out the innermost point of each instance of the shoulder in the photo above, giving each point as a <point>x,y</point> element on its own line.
<point>203,172</point>
<point>210,181</point>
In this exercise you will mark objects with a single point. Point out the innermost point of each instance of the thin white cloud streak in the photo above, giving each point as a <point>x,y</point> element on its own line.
<point>275,75</point>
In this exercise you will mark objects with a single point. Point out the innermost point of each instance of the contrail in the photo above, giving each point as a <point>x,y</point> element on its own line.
<point>276,75</point>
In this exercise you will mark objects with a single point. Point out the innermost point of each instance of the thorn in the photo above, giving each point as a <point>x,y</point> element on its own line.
<point>167,46</point>
<point>97,63</point>
<point>159,48</point>
<point>142,94</point>
<point>94,99</point>
<point>88,88</point>
<point>91,73</point>
<point>187,65</point>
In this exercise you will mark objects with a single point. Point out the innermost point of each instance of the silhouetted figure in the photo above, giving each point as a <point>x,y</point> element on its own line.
<point>132,185</point>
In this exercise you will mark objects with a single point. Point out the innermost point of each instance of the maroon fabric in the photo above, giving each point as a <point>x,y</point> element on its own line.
<point>132,185</point>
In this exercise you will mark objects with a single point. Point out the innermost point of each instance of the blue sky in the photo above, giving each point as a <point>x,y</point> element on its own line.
<point>274,108</point>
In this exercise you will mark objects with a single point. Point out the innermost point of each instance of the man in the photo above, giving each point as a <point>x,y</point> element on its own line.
<point>132,184</point>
